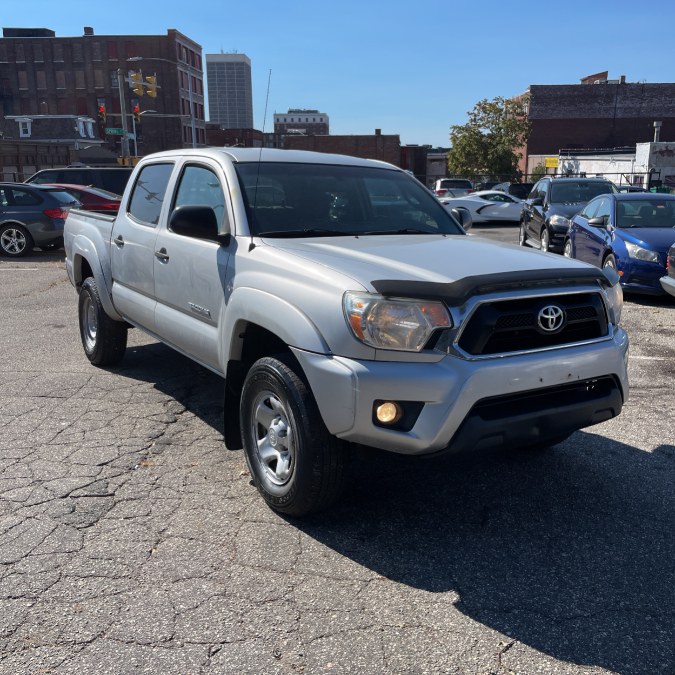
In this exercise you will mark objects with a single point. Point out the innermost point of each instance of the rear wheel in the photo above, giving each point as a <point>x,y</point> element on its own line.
<point>104,340</point>
<point>297,466</point>
<point>15,241</point>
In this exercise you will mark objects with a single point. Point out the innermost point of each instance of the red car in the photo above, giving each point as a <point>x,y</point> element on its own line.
<point>92,198</point>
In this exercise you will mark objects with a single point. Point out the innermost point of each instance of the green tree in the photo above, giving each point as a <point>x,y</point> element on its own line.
<point>489,143</point>
<point>537,172</point>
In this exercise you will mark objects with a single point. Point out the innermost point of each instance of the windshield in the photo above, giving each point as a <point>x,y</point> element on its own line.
<point>645,213</point>
<point>578,192</point>
<point>456,183</point>
<point>313,200</point>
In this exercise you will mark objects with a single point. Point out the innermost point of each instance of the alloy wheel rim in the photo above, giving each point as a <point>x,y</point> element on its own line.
<point>89,323</point>
<point>274,438</point>
<point>13,241</point>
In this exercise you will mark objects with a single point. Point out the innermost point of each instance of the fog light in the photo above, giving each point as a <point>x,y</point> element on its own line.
<point>388,412</point>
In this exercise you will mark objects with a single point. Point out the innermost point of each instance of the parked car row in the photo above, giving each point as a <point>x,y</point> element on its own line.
<point>33,214</point>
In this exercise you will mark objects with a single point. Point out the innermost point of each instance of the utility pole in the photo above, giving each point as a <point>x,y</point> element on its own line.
<point>123,110</point>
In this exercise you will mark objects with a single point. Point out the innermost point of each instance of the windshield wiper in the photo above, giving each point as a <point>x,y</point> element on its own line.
<point>404,230</point>
<point>308,232</point>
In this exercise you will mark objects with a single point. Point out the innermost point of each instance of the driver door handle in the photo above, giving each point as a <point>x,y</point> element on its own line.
<point>119,241</point>
<point>162,255</point>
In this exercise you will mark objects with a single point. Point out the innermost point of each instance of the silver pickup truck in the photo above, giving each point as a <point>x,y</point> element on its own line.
<point>343,304</point>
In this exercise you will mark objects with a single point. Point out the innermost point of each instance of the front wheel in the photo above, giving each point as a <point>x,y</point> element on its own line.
<point>15,241</point>
<point>567,251</point>
<point>104,339</point>
<point>522,236</point>
<point>296,465</point>
<point>609,261</point>
<point>545,239</point>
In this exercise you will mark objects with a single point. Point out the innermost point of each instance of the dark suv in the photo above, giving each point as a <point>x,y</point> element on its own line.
<point>113,179</point>
<point>550,206</point>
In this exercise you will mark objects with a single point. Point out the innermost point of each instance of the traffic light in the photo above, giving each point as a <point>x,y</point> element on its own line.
<point>102,115</point>
<point>136,82</point>
<point>152,85</point>
<point>137,113</point>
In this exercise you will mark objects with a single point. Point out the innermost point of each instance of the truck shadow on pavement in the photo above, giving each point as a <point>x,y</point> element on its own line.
<point>569,551</point>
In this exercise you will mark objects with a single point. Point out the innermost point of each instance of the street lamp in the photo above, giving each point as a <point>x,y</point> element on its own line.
<point>190,67</point>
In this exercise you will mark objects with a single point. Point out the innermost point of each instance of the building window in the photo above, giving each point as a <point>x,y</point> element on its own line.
<point>20,54</point>
<point>60,79</point>
<point>79,79</point>
<point>38,55</point>
<point>58,51</point>
<point>40,79</point>
<point>24,128</point>
<point>95,52</point>
<point>98,79</point>
<point>90,129</point>
<point>112,51</point>
<point>3,53</point>
<point>23,79</point>
<point>80,127</point>
<point>78,56</point>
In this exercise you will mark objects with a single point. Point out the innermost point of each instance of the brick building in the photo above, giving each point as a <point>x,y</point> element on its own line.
<point>243,138</point>
<point>374,146</point>
<point>302,121</point>
<point>41,74</point>
<point>598,113</point>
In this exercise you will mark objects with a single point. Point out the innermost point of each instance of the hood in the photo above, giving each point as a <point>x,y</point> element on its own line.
<point>428,258</point>
<point>655,238</point>
<point>566,210</point>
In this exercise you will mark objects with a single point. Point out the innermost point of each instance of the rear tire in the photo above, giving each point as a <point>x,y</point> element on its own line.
<point>15,241</point>
<point>104,339</point>
<point>296,464</point>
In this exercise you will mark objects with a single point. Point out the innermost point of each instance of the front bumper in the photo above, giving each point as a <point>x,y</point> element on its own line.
<point>456,393</point>
<point>668,284</point>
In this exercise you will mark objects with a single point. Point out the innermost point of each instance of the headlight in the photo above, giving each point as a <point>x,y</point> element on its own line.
<point>559,220</point>
<point>639,253</point>
<point>393,323</point>
<point>615,297</point>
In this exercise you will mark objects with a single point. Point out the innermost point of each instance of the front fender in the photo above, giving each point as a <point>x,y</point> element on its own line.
<point>83,249</point>
<point>288,322</point>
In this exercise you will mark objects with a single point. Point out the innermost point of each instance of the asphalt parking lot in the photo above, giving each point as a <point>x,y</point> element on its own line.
<point>132,541</point>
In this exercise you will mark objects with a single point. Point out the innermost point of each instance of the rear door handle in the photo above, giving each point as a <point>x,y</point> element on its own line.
<point>162,255</point>
<point>119,241</point>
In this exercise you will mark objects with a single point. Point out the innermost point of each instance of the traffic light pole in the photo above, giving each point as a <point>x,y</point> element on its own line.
<point>123,111</point>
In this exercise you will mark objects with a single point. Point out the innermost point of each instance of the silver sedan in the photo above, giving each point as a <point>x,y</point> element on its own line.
<point>487,205</point>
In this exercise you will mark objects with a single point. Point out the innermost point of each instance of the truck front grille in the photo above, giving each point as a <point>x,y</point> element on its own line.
<point>503,326</point>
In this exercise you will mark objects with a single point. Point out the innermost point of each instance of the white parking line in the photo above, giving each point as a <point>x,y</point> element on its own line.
<point>19,269</point>
<point>649,358</point>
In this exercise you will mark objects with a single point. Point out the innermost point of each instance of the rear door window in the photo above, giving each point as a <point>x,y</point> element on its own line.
<point>148,193</point>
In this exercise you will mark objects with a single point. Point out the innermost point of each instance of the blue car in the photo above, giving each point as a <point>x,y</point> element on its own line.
<point>630,232</point>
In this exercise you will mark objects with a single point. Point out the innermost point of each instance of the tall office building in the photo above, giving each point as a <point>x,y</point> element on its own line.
<point>228,79</point>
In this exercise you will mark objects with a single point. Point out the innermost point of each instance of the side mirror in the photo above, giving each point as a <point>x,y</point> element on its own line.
<point>199,222</point>
<point>599,221</point>
<point>537,201</point>
<point>463,217</point>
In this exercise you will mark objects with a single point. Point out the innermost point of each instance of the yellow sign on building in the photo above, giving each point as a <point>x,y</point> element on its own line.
<point>551,162</point>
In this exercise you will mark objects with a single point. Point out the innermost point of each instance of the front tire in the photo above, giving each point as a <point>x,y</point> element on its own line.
<point>609,261</point>
<point>15,241</point>
<point>522,235</point>
<point>545,240</point>
<point>567,251</point>
<point>296,465</point>
<point>104,339</point>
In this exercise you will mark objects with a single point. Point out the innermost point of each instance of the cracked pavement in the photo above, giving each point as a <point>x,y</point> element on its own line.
<point>132,541</point>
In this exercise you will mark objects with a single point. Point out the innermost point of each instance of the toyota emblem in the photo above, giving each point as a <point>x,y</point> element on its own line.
<point>551,318</point>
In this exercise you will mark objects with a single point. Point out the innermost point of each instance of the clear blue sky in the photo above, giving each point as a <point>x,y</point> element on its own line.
<point>408,68</point>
